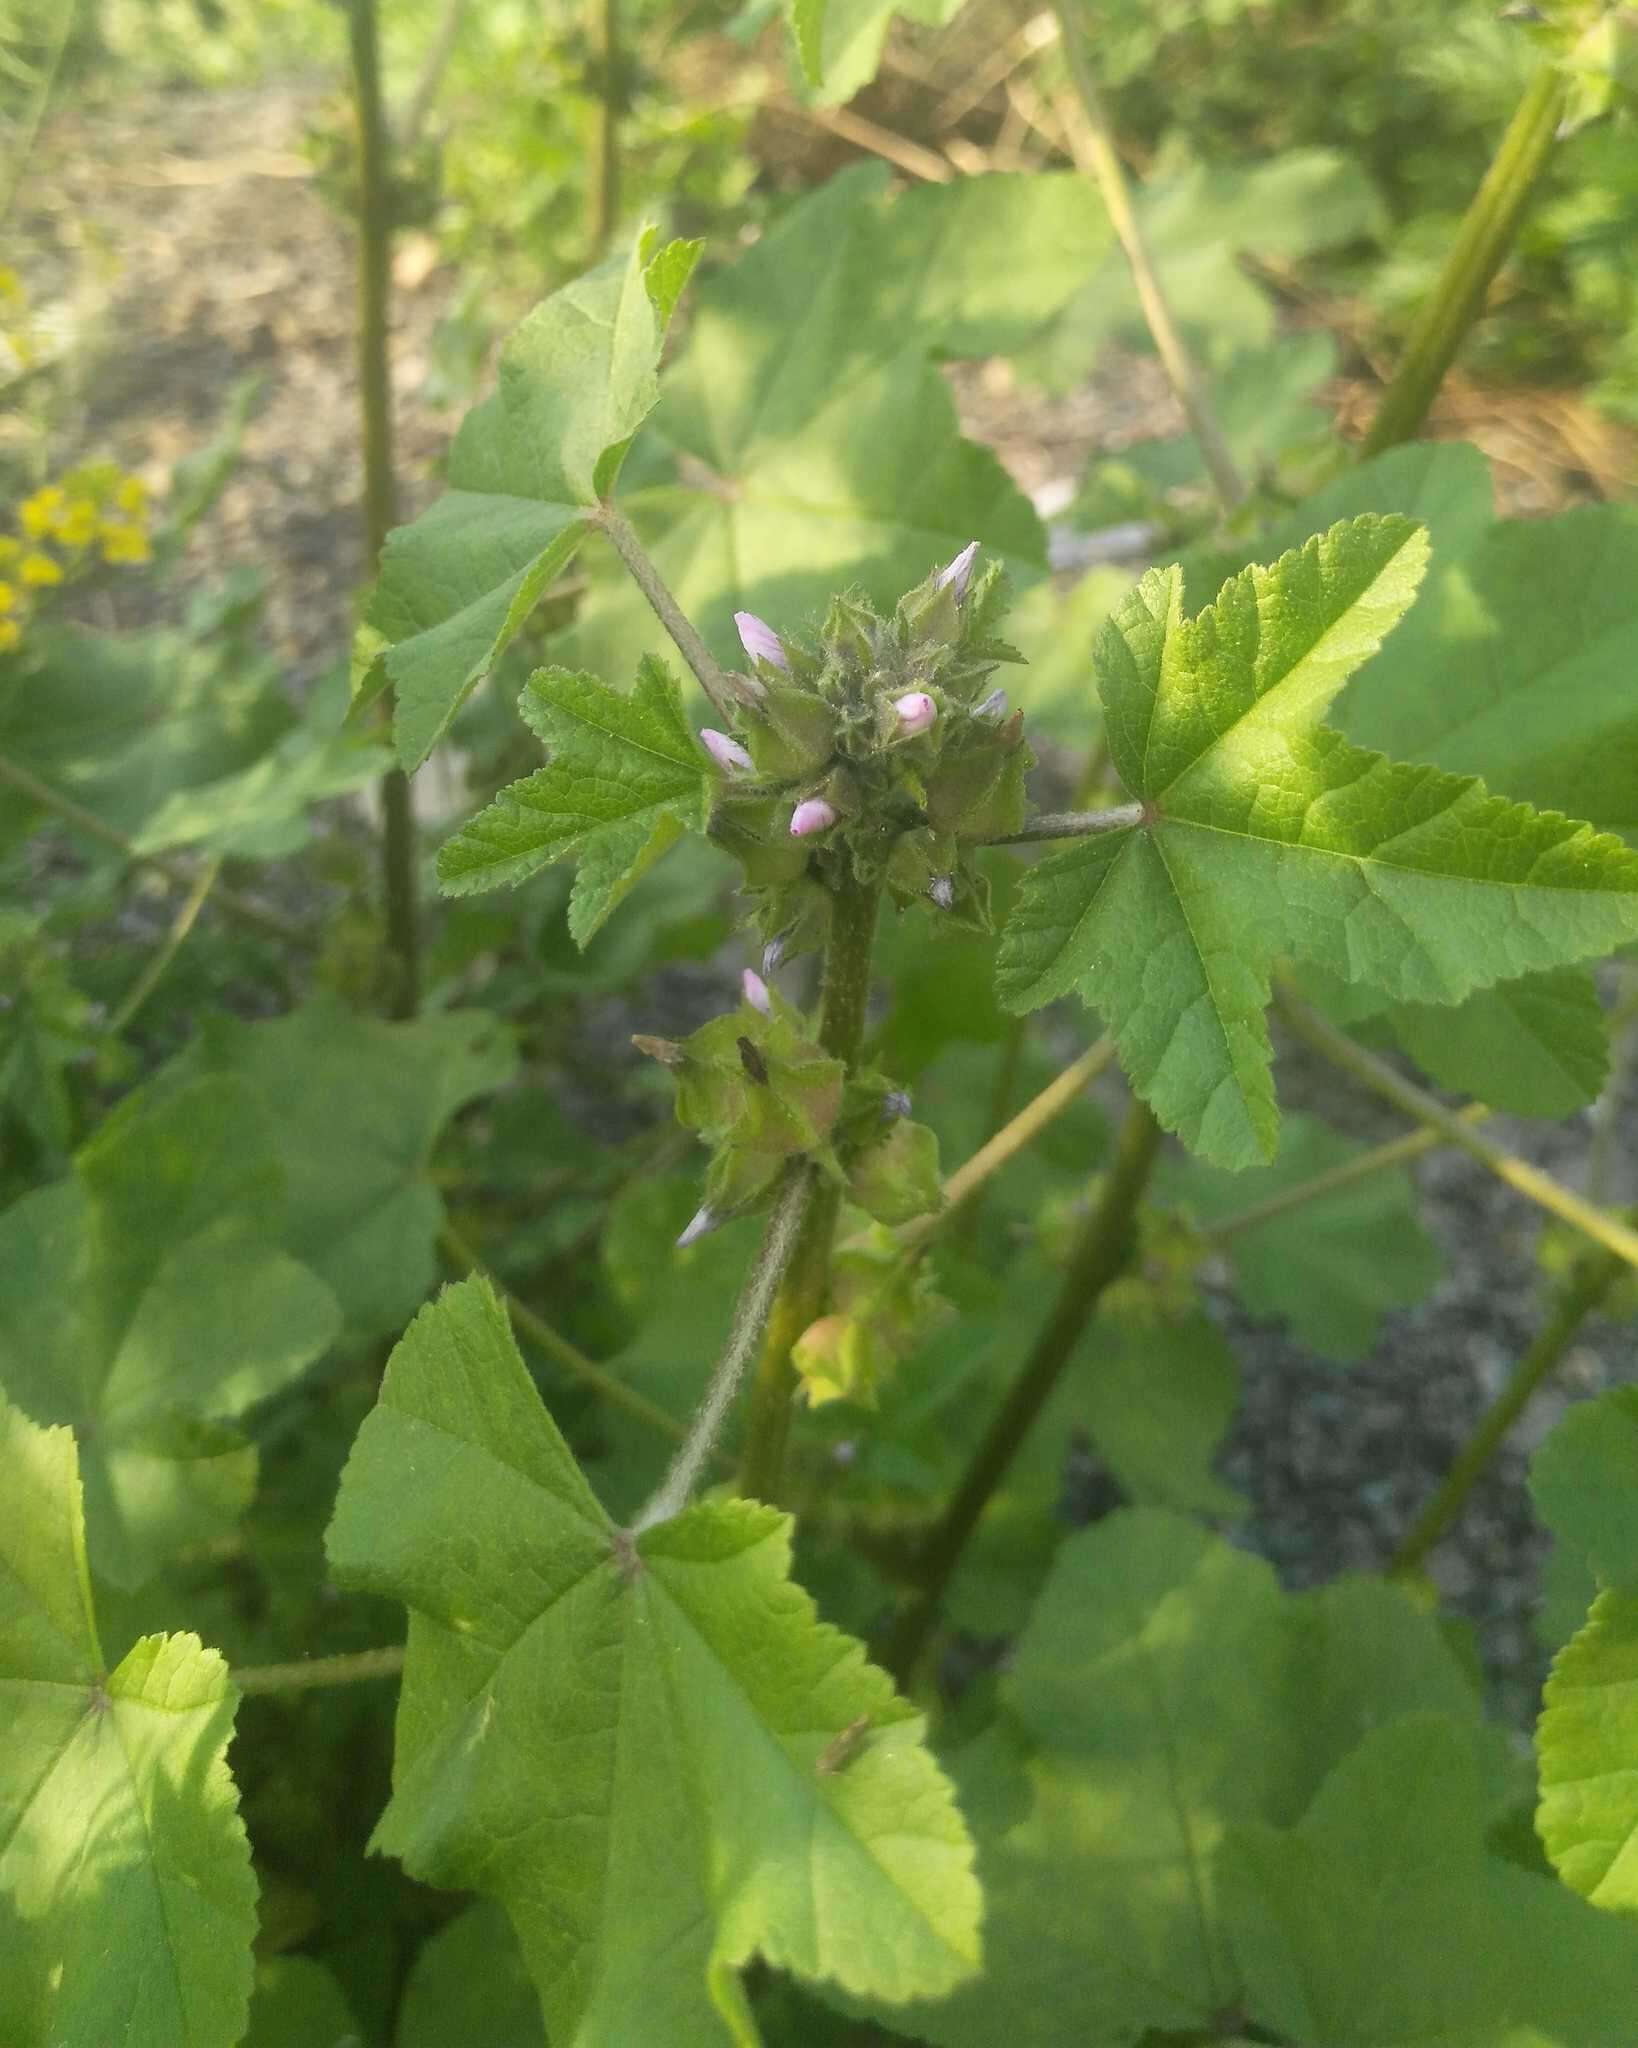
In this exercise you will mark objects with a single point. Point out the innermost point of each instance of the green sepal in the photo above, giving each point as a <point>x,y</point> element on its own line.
<point>897,1178</point>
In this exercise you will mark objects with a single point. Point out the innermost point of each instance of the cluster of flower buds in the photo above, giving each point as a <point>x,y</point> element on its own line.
<point>760,1093</point>
<point>875,750</point>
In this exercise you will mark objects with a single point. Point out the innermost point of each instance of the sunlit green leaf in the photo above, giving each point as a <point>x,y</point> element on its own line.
<point>1266,834</point>
<point>127,1905</point>
<point>576,381</point>
<point>670,1689</point>
<point>1587,1748</point>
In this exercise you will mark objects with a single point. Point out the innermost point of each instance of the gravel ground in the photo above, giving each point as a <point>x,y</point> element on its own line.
<point>228,261</point>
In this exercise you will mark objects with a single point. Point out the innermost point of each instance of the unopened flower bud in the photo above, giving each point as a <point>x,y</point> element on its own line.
<point>728,754</point>
<point>942,890</point>
<point>756,991</point>
<point>813,815</point>
<point>896,1103</point>
<point>954,575</point>
<point>773,954</point>
<point>759,639</point>
<point>993,706</point>
<point>916,712</point>
<point>700,1224</point>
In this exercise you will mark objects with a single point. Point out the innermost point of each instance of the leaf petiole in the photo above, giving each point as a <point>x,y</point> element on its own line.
<point>623,538</point>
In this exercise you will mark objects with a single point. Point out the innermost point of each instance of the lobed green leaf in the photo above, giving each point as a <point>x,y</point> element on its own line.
<point>1265,834</point>
<point>623,1694</point>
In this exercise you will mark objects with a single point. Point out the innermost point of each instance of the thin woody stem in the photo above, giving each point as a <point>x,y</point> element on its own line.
<point>1099,1257</point>
<point>1395,1152</point>
<point>1598,1224</point>
<point>750,1322</point>
<point>248,913</point>
<point>1486,234</point>
<point>1586,1289</point>
<point>172,943</point>
<point>622,536</point>
<point>1110,174</point>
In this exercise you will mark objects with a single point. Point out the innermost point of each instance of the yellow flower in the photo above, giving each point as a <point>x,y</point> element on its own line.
<point>10,634</point>
<point>39,513</point>
<point>132,497</point>
<point>124,544</point>
<point>9,549</point>
<point>39,569</point>
<point>8,597</point>
<point>77,527</point>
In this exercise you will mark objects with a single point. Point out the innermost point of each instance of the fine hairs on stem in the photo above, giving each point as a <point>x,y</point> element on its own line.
<point>751,1314</point>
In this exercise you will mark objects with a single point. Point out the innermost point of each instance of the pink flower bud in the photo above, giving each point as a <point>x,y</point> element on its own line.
<point>916,712</point>
<point>756,991</point>
<point>993,706</point>
<point>954,574</point>
<point>728,754</point>
<point>759,639</point>
<point>813,815</point>
<point>942,890</point>
<point>700,1224</point>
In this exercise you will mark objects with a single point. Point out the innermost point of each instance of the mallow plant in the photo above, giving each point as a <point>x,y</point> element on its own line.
<point>756,1683</point>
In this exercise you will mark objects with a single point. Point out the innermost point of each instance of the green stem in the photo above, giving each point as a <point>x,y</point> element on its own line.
<point>174,940</point>
<point>1482,242</point>
<point>750,1321</point>
<point>1585,1290</point>
<point>1540,1188</point>
<point>558,1348</point>
<point>1072,825</point>
<point>252,915</point>
<point>1100,1256</point>
<point>1394,1152</point>
<point>375,396</point>
<point>603,124</point>
<point>439,52</point>
<point>1110,174</point>
<point>666,609</point>
<point>350,1669</point>
<point>844,992</point>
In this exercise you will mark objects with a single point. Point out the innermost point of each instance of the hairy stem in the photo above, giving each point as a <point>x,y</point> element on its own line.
<point>666,609</point>
<point>1540,1188</point>
<point>375,399</point>
<point>1100,1256</point>
<point>172,943</point>
<point>1482,242</point>
<point>558,1348</point>
<point>268,922</point>
<point>1073,825</point>
<point>1009,1141</point>
<point>751,1314</point>
<point>1585,1290</point>
<point>1110,173</point>
<point>603,124</point>
<point>349,1669</point>
<point>844,989</point>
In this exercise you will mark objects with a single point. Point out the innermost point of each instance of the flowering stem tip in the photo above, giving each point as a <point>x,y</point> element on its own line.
<point>759,639</point>
<point>955,574</point>
<point>815,815</point>
<point>916,712</point>
<point>728,754</point>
